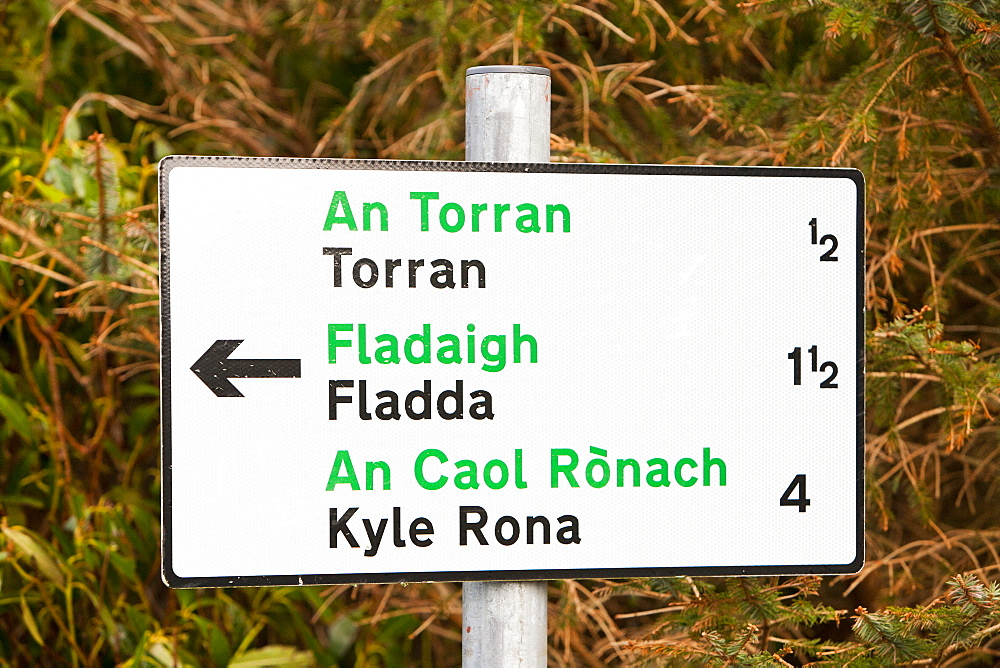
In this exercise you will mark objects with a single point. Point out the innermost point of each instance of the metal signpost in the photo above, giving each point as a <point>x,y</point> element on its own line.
<point>386,371</point>
<point>507,111</point>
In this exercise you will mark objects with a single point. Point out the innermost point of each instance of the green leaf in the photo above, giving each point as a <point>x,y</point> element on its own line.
<point>29,621</point>
<point>124,566</point>
<point>15,416</point>
<point>274,655</point>
<point>50,193</point>
<point>164,654</point>
<point>218,647</point>
<point>21,500</point>
<point>30,546</point>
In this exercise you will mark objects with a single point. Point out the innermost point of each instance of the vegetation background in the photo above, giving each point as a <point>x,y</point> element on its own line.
<point>94,92</point>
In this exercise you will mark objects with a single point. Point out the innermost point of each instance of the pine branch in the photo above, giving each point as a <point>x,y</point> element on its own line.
<point>978,635</point>
<point>988,124</point>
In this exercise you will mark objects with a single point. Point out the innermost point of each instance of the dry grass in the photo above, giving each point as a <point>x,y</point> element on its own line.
<point>910,98</point>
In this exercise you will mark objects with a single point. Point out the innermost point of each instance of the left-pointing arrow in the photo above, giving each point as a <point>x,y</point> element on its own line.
<point>214,368</point>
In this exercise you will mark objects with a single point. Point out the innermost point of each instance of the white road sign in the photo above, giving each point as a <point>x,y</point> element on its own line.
<point>381,371</point>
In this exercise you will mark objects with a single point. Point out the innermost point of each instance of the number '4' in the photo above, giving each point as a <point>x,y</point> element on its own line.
<point>798,482</point>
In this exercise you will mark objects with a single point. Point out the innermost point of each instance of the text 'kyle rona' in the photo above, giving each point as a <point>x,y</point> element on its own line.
<point>425,344</point>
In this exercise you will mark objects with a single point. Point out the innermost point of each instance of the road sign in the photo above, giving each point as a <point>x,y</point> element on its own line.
<point>382,371</point>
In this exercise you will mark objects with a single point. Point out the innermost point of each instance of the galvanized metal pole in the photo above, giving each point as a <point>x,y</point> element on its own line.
<point>506,120</point>
<point>507,113</point>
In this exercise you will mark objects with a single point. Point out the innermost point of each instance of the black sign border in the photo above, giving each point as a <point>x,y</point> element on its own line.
<point>171,579</point>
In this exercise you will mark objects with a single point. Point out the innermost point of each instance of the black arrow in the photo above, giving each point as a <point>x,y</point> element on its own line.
<point>214,368</point>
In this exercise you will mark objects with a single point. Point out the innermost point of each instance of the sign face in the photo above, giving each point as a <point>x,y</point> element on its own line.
<point>383,371</point>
